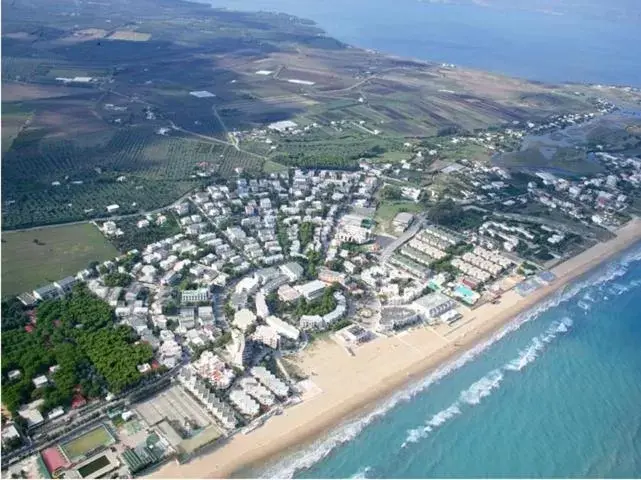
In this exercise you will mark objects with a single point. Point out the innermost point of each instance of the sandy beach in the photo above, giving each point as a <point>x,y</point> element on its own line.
<point>350,385</point>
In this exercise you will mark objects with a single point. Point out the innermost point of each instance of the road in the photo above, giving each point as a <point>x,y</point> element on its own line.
<point>387,252</point>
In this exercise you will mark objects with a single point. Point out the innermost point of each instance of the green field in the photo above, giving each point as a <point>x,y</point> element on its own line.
<point>273,167</point>
<point>99,463</point>
<point>386,212</point>
<point>79,447</point>
<point>59,251</point>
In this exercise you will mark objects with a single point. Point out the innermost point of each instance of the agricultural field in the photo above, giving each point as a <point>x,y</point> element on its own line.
<point>35,257</point>
<point>14,119</point>
<point>234,159</point>
<point>342,150</point>
<point>81,446</point>
<point>55,180</point>
<point>137,119</point>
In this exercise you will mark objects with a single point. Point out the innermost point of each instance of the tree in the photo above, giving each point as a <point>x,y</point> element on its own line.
<point>223,340</point>
<point>391,192</point>
<point>172,324</point>
<point>449,214</point>
<point>229,311</point>
<point>13,314</point>
<point>79,335</point>
<point>305,233</point>
<point>117,279</point>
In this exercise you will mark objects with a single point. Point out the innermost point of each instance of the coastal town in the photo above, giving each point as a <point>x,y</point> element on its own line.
<point>262,269</point>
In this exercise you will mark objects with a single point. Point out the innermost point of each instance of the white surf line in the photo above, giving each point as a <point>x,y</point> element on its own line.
<point>477,391</point>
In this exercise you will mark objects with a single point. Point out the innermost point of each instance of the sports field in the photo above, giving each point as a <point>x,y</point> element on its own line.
<point>33,258</point>
<point>92,467</point>
<point>79,447</point>
<point>387,210</point>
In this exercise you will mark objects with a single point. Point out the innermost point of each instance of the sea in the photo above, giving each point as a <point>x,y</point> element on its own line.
<point>556,393</point>
<point>585,41</point>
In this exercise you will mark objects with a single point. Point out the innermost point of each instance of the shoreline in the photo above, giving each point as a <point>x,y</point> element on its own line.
<point>353,386</point>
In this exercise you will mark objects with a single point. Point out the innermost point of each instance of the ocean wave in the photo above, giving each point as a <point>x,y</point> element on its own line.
<point>415,434</point>
<point>531,352</point>
<point>490,382</point>
<point>319,449</point>
<point>482,388</point>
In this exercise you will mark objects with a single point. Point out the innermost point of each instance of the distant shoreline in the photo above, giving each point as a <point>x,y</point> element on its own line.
<point>570,61</point>
<point>355,385</point>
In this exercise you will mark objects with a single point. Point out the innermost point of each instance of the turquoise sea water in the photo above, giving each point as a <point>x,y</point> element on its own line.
<point>568,47</point>
<point>557,394</point>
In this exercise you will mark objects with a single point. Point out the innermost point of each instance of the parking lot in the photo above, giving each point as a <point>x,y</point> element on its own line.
<point>173,404</point>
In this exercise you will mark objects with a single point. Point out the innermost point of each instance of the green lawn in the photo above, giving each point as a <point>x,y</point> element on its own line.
<point>35,257</point>
<point>386,212</point>
<point>273,167</point>
<point>393,156</point>
<point>79,447</point>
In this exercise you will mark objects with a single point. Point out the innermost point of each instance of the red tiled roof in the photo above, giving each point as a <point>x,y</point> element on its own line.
<point>29,328</point>
<point>54,459</point>
<point>78,401</point>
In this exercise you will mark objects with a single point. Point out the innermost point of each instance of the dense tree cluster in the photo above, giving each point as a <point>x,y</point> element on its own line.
<point>391,192</point>
<point>318,161</point>
<point>115,357</point>
<point>449,214</point>
<point>117,279</point>
<point>13,314</point>
<point>322,306</point>
<point>314,259</point>
<point>78,334</point>
<point>305,233</point>
<point>138,238</point>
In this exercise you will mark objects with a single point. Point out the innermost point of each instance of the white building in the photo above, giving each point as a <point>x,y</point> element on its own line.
<point>195,296</point>
<point>267,335</point>
<point>257,391</point>
<point>40,381</point>
<point>312,322</point>
<point>283,328</point>
<point>236,349</point>
<point>245,404</point>
<point>277,386</point>
<point>292,270</point>
<point>353,234</point>
<point>311,290</point>
<point>433,305</point>
<point>288,294</point>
